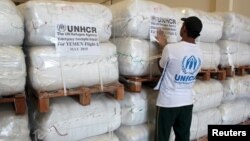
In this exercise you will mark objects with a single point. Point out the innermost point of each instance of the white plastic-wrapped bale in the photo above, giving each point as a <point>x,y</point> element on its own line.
<point>236,87</point>
<point>138,108</point>
<point>104,137</point>
<point>152,98</point>
<point>229,90</point>
<point>41,18</point>
<point>212,24</point>
<point>131,18</point>
<point>12,70</point>
<point>134,108</point>
<point>236,27</point>
<point>13,127</point>
<point>48,71</point>
<point>234,112</point>
<point>136,57</point>
<point>207,94</point>
<point>11,23</point>
<point>211,55</point>
<point>201,120</point>
<point>234,53</point>
<point>141,132</point>
<point>70,121</point>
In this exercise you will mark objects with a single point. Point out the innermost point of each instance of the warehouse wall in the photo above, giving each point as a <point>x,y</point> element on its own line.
<point>242,7</point>
<point>239,6</point>
<point>206,5</point>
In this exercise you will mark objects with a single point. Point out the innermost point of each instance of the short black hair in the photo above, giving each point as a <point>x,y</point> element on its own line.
<point>193,25</point>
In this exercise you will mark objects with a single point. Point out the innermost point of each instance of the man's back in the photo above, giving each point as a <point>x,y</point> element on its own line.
<point>182,62</point>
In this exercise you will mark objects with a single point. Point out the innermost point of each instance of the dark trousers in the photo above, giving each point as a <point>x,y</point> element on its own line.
<point>179,118</point>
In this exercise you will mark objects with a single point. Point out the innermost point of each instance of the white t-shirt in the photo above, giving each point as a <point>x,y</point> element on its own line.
<point>181,62</point>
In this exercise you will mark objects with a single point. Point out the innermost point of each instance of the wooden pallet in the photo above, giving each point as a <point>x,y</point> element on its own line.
<point>19,101</point>
<point>230,72</point>
<point>84,93</point>
<point>134,84</point>
<point>240,70</point>
<point>207,74</point>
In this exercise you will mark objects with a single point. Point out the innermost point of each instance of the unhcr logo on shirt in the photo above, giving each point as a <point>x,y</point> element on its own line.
<point>190,66</point>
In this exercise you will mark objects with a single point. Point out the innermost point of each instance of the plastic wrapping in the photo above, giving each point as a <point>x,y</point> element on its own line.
<point>46,66</point>
<point>68,120</point>
<point>212,24</point>
<point>12,28</point>
<point>236,87</point>
<point>104,137</point>
<point>201,120</point>
<point>138,108</point>
<point>134,108</point>
<point>13,127</point>
<point>211,55</point>
<point>41,18</point>
<point>131,18</point>
<point>141,132</point>
<point>236,27</point>
<point>207,94</point>
<point>12,70</point>
<point>234,112</point>
<point>234,53</point>
<point>136,57</point>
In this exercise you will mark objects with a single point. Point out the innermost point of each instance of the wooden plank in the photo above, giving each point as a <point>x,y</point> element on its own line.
<point>134,84</point>
<point>84,94</point>
<point>6,100</point>
<point>207,74</point>
<point>43,105</point>
<point>20,104</point>
<point>19,101</point>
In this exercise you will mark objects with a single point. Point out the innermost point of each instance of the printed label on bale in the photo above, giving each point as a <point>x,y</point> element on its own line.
<point>77,39</point>
<point>168,25</point>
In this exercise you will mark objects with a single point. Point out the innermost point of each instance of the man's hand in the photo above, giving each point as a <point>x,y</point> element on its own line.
<point>161,38</point>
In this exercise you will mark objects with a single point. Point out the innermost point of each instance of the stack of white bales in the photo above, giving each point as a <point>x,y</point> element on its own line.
<point>48,71</point>
<point>68,120</point>
<point>12,71</point>
<point>131,33</point>
<point>12,64</point>
<point>138,111</point>
<point>235,107</point>
<point>210,34</point>
<point>235,52</point>
<point>234,48</point>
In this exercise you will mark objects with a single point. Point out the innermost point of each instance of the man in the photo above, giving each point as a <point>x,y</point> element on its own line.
<point>181,62</point>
